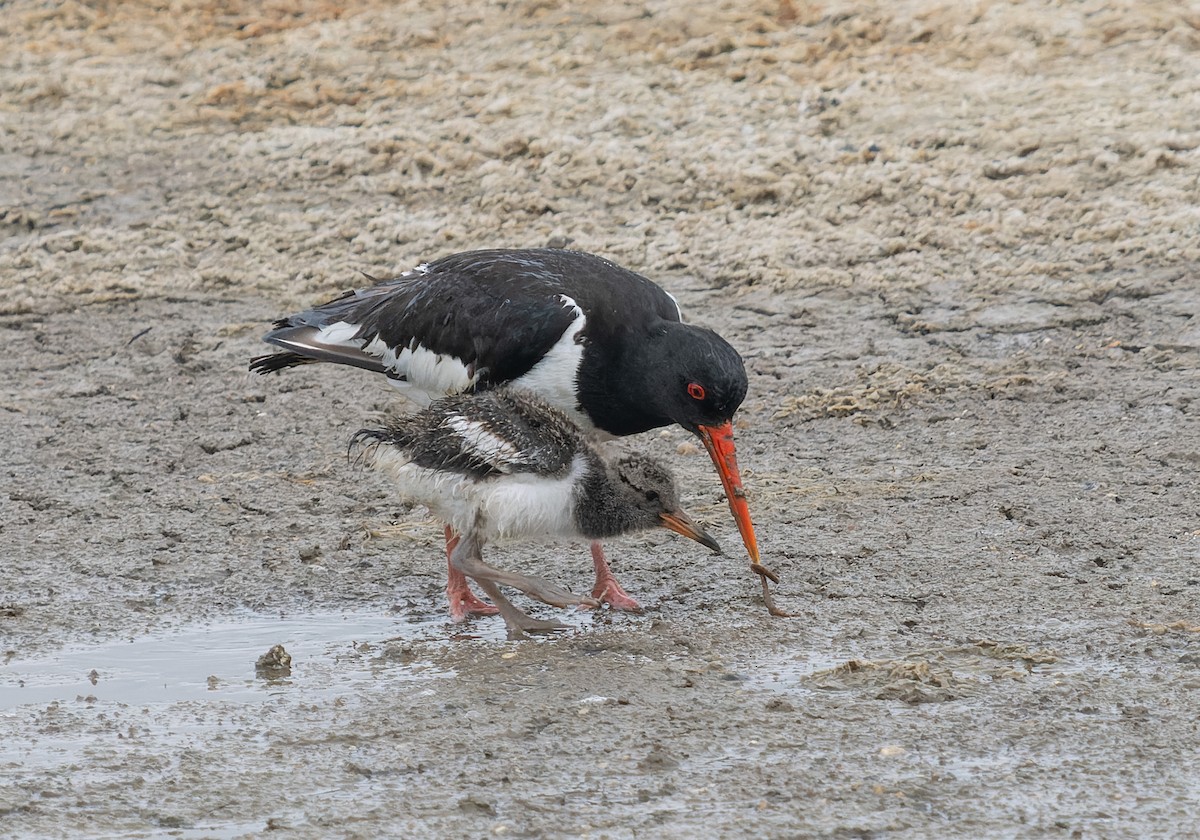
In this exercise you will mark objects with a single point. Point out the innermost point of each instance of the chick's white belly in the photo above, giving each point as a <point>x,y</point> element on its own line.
<point>507,507</point>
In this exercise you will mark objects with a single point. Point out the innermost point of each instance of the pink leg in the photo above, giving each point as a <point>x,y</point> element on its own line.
<point>463,603</point>
<point>607,590</point>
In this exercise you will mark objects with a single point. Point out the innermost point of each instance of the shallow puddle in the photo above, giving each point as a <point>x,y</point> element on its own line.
<point>216,661</point>
<point>332,654</point>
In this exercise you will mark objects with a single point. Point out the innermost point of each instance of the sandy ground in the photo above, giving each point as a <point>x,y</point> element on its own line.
<point>957,244</point>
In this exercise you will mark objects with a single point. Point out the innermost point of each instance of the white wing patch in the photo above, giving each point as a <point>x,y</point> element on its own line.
<point>428,374</point>
<point>553,378</point>
<point>434,373</point>
<point>479,438</point>
<point>340,333</point>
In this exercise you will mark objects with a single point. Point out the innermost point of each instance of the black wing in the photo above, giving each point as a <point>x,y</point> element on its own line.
<point>497,312</point>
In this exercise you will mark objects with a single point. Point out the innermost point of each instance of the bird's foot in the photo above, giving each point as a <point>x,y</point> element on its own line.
<point>608,591</point>
<point>520,625</point>
<point>464,604</point>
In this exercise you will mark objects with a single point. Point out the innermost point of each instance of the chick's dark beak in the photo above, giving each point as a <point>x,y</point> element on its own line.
<point>681,523</point>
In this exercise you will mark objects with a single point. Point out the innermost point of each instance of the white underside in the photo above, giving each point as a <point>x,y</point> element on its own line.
<point>553,378</point>
<point>519,506</point>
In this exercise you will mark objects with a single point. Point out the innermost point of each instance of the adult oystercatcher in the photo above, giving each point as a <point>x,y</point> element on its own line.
<point>600,342</point>
<point>506,465</point>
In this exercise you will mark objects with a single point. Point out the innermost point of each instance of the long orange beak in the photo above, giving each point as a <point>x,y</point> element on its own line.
<point>718,440</point>
<point>681,523</point>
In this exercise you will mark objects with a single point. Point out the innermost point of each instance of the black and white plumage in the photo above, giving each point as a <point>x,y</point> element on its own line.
<point>506,465</point>
<point>601,343</point>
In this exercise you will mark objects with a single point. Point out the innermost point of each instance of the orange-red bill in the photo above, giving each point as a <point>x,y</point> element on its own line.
<point>681,523</point>
<point>718,440</point>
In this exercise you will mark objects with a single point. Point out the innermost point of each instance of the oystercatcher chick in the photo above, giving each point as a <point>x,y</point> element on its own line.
<point>506,465</point>
<point>601,343</point>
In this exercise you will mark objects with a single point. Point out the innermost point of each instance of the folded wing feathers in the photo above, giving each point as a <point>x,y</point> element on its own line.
<point>483,446</point>
<point>496,433</point>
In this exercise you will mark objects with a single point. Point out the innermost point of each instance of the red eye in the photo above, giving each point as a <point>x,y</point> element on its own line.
<point>695,391</point>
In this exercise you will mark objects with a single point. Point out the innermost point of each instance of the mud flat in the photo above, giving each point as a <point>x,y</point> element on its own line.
<point>957,246</point>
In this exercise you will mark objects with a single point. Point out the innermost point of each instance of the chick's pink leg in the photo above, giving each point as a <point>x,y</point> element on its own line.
<point>607,590</point>
<point>463,602</point>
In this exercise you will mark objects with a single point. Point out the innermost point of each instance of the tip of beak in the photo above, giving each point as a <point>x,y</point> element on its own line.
<point>681,523</point>
<point>752,550</point>
<point>708,542</point>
